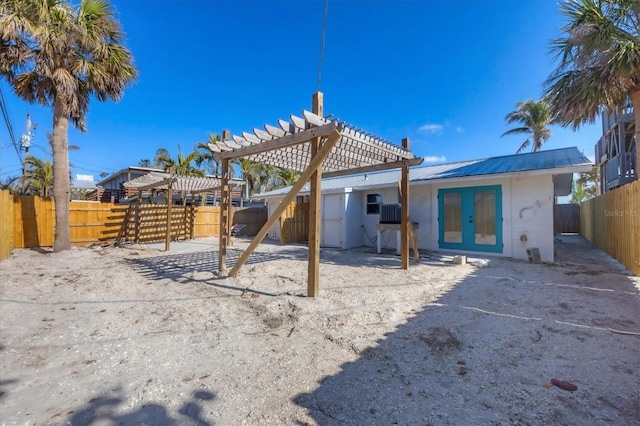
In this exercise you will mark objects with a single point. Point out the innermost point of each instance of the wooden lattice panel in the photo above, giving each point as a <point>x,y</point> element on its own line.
<point>288,145</point>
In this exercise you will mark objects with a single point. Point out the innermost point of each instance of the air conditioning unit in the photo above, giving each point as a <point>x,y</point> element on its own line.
<point>390,213</point>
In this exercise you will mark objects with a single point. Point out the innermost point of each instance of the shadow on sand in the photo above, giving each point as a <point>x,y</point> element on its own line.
<point>485,352</point>
<point>108,409</point>
<point>181,266</point>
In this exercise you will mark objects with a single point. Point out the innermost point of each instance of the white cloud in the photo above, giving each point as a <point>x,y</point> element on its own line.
<point>435,159</point>
<point>436,129</point>
<point>431,128</point>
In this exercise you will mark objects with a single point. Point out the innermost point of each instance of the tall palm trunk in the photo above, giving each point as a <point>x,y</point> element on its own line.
<point>635,100</point>
<point>61,183</point>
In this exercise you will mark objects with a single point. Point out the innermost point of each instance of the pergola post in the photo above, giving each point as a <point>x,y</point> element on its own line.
<point>189,221</point>
<point>315,162</point>
<point>404,251</point>
<point>225,207</point>
<point>315,201</point>
<point>136,231</point>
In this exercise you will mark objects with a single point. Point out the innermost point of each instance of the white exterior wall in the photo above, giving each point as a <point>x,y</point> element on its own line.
<point>506,212</point>
<point>351,218</point>
<point>532,213</point>
<point>527,214</point>
<point>421,212</point>
<point>370,221</point>
<point>352,223</point>
<point>527,210</point>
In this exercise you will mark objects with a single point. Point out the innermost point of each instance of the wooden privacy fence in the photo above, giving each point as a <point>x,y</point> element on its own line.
<point>252,218</point>
<point>294,224</point>
<point>146,223</point>
<point>34,220</point>
<point>29,221</point>
<point>612,222</point>
<point>6,224</point>
<point>566,219</point>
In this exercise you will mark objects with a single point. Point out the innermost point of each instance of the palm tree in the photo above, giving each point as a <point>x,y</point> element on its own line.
<point>251,174</point>
<point>285,177</point>
<point>160,153</point>
<point>39,175</point>
<point>591,181</point>
<point>61,56</point>
<point>181,165</point>
<point>268,176</point>
<point>579,194</point>
<point>534,117</point>
<point>599,62</point>
<point>207,157</point>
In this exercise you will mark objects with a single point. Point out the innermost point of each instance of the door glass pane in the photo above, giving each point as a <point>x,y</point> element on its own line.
<point>485,217</point>
<point>453,217</point>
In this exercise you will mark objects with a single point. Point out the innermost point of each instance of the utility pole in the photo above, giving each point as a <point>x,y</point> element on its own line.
<point>25,144</point>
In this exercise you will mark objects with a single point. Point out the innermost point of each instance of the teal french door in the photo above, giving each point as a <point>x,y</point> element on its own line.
<point>470,218</point>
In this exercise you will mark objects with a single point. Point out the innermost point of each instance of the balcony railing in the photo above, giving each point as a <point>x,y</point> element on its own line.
<point>620,169</point>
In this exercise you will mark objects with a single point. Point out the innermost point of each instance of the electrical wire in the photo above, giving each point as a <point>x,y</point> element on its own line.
<point>5,115</point>
<point>372,240</point>
<point>85,169</point>
<point>10,172</point>
<point>324,32</point>
<point>94,165</point>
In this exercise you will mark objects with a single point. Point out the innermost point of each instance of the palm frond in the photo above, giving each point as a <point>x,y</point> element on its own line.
<point>534,117</point>
<point>599,59</point>
<point>52,52</point>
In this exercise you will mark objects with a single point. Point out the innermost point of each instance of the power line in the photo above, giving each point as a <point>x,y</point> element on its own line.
<point>7,121</point>
<point>93,165</point>
<point>324,31</point>
<point>85,169</point>
<point>11,171</point>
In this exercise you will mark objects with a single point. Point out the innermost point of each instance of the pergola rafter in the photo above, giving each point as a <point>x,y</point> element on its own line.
<point>191,184</point>
<point>287,145</point>
<point>313,145</point>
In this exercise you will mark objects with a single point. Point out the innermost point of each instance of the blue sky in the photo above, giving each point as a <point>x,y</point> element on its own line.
<point>442,73</point>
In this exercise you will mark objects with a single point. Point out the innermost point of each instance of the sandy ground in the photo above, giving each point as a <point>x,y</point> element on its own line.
<point>132,335</point>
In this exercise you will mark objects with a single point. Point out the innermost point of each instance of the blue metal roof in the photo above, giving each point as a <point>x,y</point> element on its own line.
<point>541,160</point>
<point>562,158</point>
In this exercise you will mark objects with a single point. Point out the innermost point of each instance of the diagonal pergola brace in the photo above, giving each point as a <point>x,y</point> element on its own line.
<point>313,166</point>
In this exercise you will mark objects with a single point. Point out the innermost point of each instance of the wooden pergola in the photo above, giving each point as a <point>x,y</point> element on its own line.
<point>171,182</point>
<point>315,146</point>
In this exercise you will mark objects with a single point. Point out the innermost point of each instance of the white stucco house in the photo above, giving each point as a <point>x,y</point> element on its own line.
<point>500,206</point>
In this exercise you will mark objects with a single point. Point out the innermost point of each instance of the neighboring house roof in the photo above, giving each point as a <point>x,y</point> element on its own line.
<point>127,170</point>
<point>556,161</point>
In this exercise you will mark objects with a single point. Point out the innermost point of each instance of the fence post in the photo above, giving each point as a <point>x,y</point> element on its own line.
<point>136,224</point>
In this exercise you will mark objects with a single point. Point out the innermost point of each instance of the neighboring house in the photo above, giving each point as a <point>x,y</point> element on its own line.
<point>500,205</point>
<point>81,186</point>
<point>83,182</point>
<point>616,151</point>
<point>110,189</point>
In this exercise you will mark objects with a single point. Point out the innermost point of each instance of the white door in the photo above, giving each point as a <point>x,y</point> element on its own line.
<point>332,211</point>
